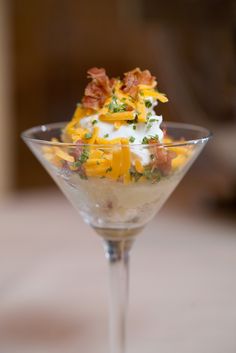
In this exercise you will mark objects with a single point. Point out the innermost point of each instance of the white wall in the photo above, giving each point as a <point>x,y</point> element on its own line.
<point>6,135</point>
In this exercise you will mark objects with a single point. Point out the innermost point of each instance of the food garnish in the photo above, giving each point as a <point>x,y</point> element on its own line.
<point>118,113</point>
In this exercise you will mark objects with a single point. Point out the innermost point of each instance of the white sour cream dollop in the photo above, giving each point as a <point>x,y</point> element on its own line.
<point>133,132</point>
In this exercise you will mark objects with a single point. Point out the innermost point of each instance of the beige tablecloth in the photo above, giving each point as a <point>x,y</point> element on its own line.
<point>53,282</point>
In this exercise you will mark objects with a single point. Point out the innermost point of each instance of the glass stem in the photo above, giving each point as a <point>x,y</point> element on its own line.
<point>117,253</point>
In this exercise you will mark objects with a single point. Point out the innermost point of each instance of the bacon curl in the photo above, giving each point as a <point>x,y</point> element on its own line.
<point>163,159</point>
<point>137,77</point>
<point>98,89</point>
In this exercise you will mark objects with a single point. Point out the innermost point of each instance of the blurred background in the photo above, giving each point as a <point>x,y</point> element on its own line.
<point>46,46</point>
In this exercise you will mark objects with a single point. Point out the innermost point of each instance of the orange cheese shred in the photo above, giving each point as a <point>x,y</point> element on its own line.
<point>116,163</point>
<point>94,136</point>
<point>117,116</point>
<point>141,109</point>
<point>126,159</point>
<point>103,141</point>
<point>97,162</point>
<point>95,153</point>
<point>63,155</point>
<point>96,171</point>
<point>155,94</point>
<point>117,124</point>
<point>139,166</point>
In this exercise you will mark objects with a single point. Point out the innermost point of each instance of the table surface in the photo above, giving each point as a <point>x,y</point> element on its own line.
<point>53,282</point>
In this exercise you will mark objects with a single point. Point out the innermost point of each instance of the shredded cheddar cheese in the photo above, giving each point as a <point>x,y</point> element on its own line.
<point>180,150</point>
<point>155,94</point>
<point>139,166</point>
<point>63,155</point>
<point>126,104</point>
<point>126,156</point>
<point>103,141</point>
<point>117,124</point>
<point>116,163</point>
<point>179,161</point>
<point>141,111</point>
<point>117,116</point>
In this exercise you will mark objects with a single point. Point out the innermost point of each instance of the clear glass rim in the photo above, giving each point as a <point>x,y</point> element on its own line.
<point>206,135</point>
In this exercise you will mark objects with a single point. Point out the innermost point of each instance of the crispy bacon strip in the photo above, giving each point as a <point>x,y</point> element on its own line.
<point>91,103</point>
<point>163,158</point>
<point>136,77</point>
<point>98,89</point>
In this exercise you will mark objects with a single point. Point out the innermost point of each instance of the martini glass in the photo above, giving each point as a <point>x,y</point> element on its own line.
<point>117,208</point>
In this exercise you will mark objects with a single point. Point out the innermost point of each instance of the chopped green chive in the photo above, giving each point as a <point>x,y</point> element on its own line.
<point>148,104</point>
<point>88,135</point>
<point>152,175</point>
<point>115,107</point>
<point>152,120</point>
<point>134,127</point>
<point>156,137</point>
<point>94,122</point>
<point>132,139</point>
<point>83,158</point>
<point>106,135</point>
<point>145,141</point>
<point>84,155</point>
